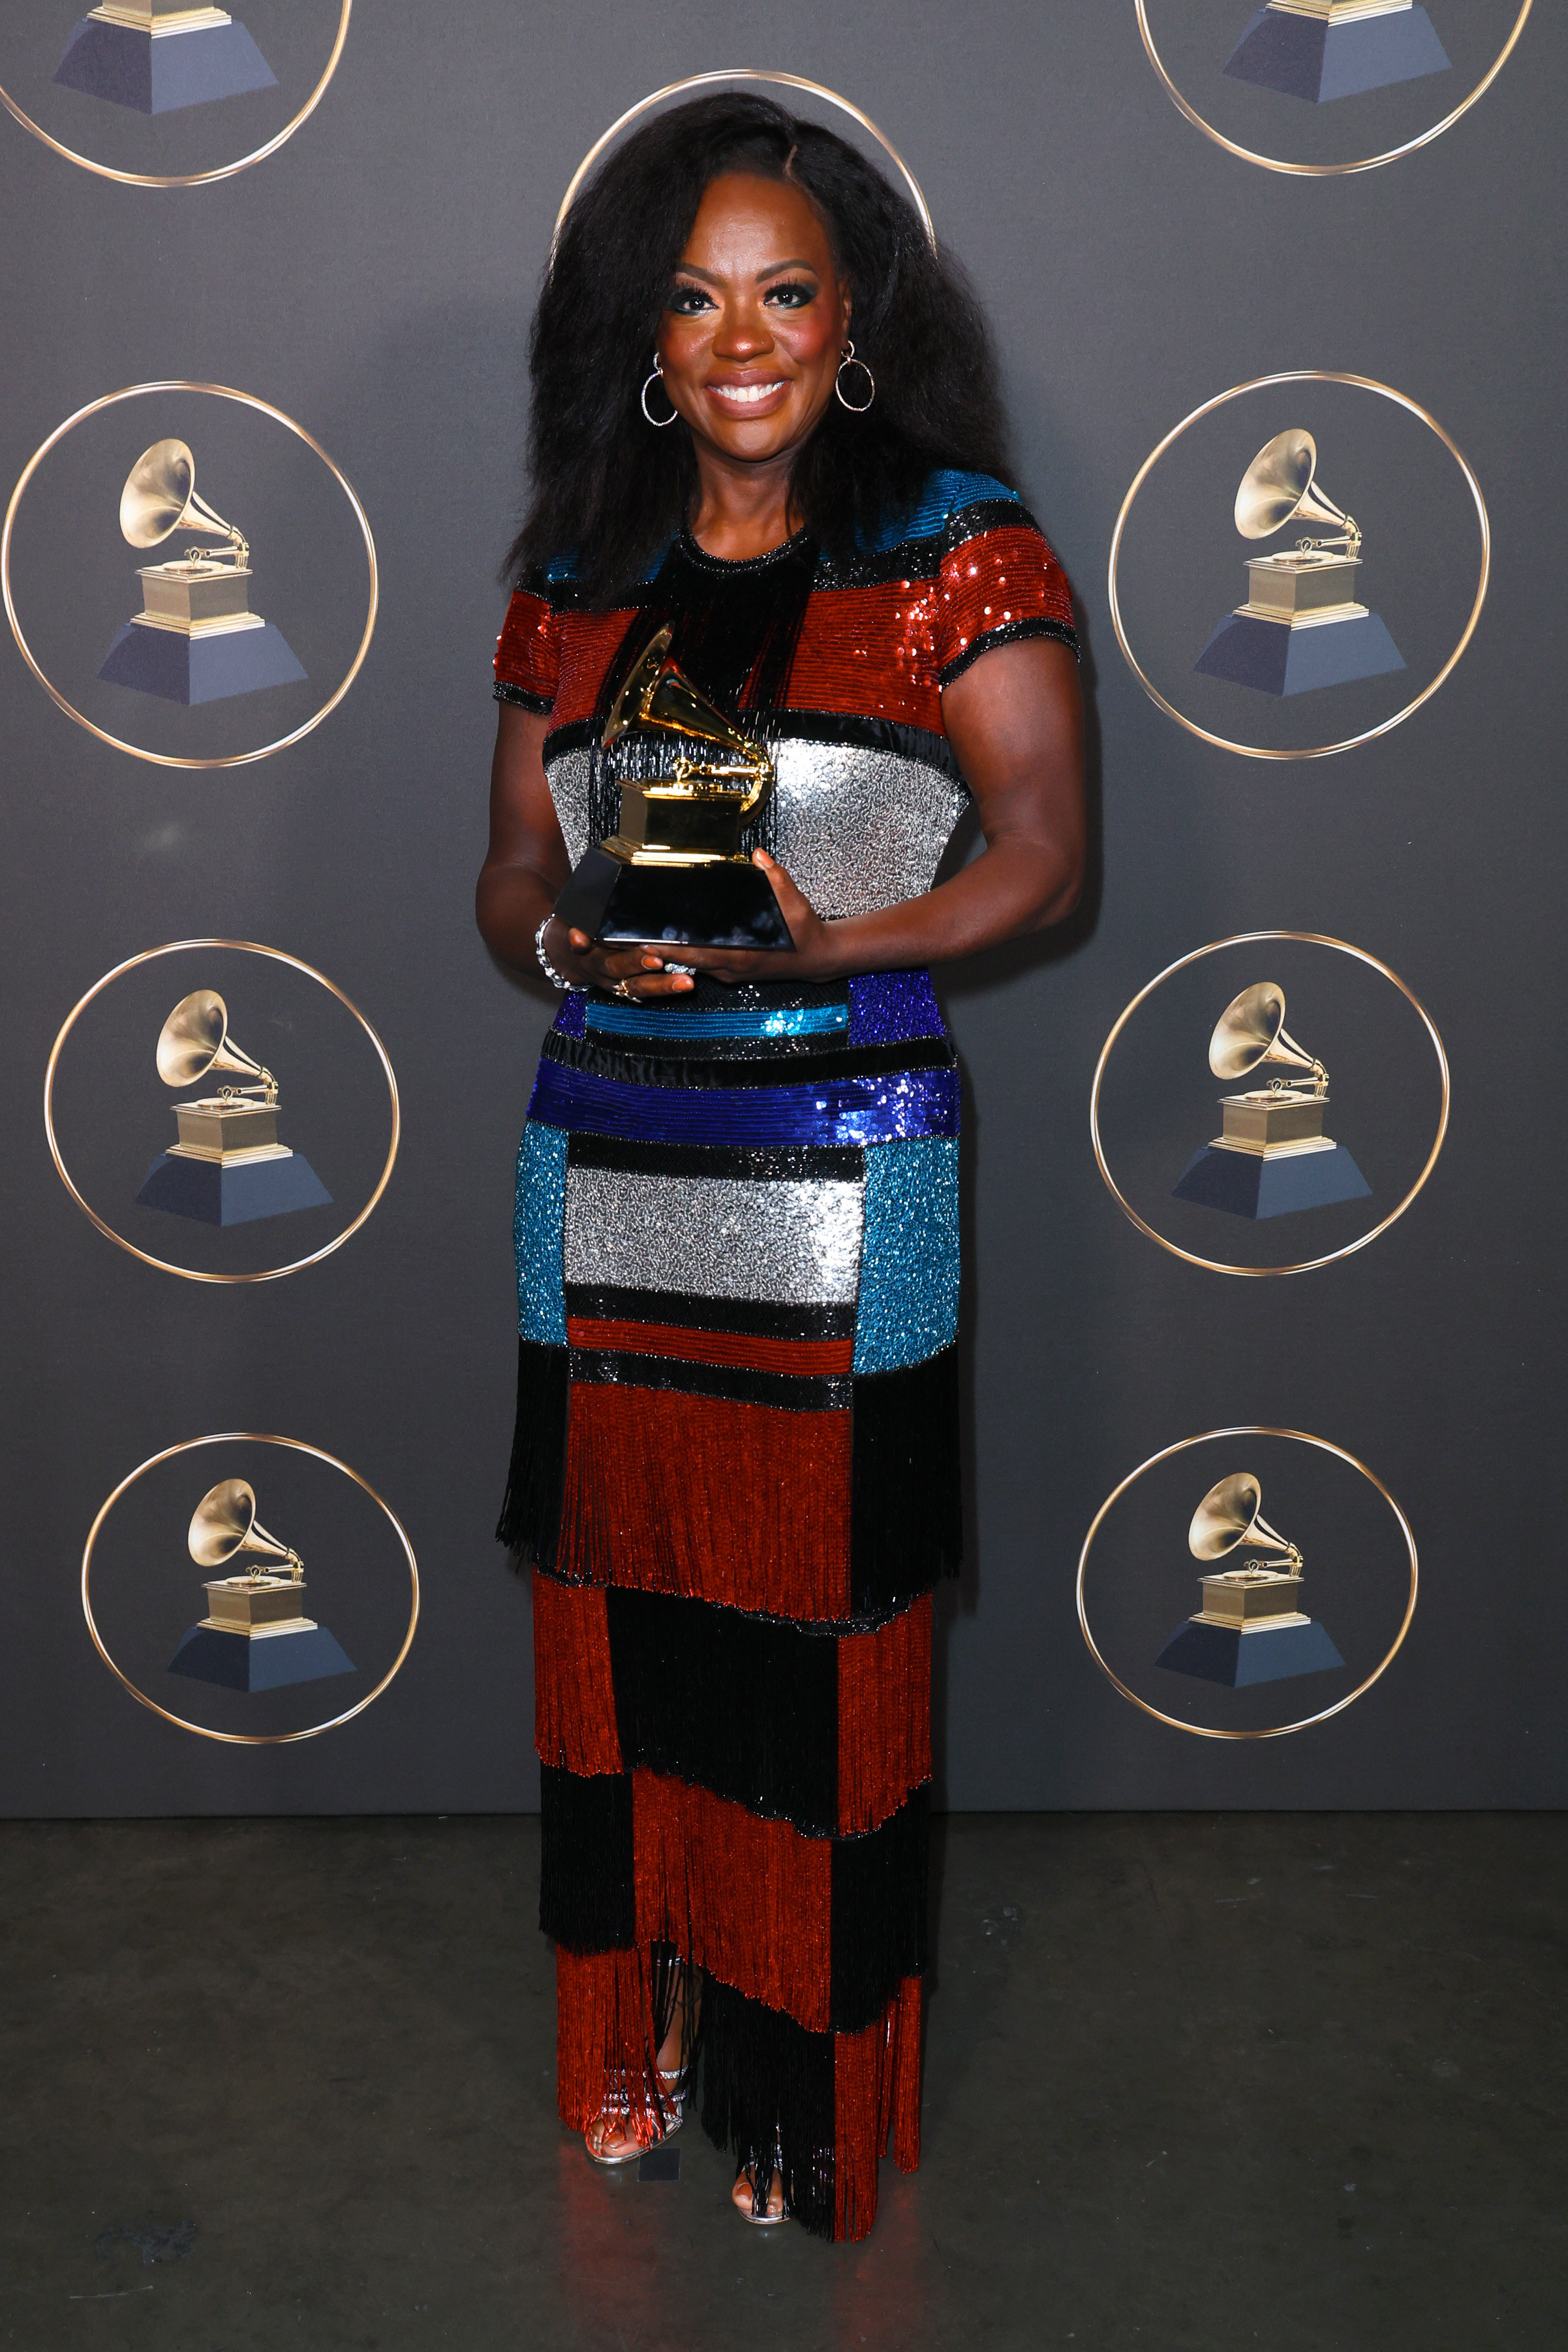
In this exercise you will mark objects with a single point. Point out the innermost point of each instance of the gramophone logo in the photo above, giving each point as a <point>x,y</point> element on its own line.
<point>1302,625</point>
<point>155,55</point>
<point>227,1166</point>
<point>255,1636</point>
<point>1322,49</point>
<point>1249,1628</point>
<point>1272,1156</point>
<point>195,638</point>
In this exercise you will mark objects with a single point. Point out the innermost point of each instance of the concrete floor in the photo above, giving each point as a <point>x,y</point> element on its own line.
<point>1216,2082</point>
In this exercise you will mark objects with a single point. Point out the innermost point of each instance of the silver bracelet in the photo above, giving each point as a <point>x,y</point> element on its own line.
<point>545,964</point>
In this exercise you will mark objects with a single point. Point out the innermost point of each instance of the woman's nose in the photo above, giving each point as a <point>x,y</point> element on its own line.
<point>742,335</point>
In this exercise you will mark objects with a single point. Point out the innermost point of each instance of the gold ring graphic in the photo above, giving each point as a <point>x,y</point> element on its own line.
<point>1247,939</point>
<point>192,179</point>
<point>166,1266</point>
<point>204,1731</point>
<point>1324,171</point>
<point>1264,384</point>
<point>1206,1438</point>
<point>741,73</point>
<point>265,408</point>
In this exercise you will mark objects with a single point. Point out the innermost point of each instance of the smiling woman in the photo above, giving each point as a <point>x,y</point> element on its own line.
<point>765,436</point>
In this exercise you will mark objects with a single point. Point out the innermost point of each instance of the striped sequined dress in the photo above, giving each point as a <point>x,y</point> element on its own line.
<point>736,1463</point>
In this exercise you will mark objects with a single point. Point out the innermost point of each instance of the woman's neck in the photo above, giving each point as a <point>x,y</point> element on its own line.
<point>742,511</point>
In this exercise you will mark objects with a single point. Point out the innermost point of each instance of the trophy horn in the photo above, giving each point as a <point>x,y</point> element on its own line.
<point>160,496</point>
<point>1251,1031</point>
<point>195,1040</point>
<point>224,1524</point>
<point>658,695</point>
<point>1280,485</point>
<point>1230,1514</point>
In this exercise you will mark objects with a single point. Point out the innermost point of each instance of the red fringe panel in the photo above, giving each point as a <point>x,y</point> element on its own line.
<point>574,1697</point>
<point>746,1504</point>
<point>876,2084</point>
<point>885,1717</point>
<point>821,1357</point>
<point>604,2038</point>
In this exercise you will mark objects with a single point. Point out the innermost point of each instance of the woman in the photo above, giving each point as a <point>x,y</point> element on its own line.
<point>765,417</point>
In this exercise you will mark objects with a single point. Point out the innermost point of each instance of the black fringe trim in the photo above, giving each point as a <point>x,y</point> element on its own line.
<point>603,1060</point>
<point>906,1516</point>
<point>587,1898</point>
<point>768,2089</point>
<point>757,1319</point>
<point>879,1914</point>
<point>529,1524</point>
<point>845,729</point>
<point>767,1163</point>
<point>519,696</point>
<point>1012,632</point>
<point>725,1383</point>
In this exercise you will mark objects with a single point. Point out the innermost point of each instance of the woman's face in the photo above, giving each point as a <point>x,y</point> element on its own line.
<point>756,321</point>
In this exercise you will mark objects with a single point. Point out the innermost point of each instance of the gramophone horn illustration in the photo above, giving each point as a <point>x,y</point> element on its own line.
<point>1320,49</point>
<point>1250,1627</point>
<point>1300,627</point>
<point>674,871</point>
<point>154,55</point>
<point>195,638</point>
<point>1272,1156</point>
<point>227,1166</point>
<point>254,1636</point>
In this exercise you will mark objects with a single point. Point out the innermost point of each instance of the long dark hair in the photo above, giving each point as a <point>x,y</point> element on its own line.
<point>608,490</point>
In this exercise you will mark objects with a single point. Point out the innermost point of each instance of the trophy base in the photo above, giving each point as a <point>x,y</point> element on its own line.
<point>211,1194</point>
<point>1274,658</point>
<point>725,905</point>
<point>1306,57</point>
<point>259,1662</point>
<point>178,668</point>
<point>1252,1184</point>
<point>1262,1654</point>
<point>157,73</point>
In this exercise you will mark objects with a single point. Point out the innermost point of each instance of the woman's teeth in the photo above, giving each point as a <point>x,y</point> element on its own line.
<point>746,392</point>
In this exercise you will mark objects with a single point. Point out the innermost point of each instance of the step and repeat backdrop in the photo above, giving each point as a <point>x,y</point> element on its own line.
<point>1262,1307</point>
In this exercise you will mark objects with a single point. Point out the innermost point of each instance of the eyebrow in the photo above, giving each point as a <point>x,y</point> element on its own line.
<point>689,269</point>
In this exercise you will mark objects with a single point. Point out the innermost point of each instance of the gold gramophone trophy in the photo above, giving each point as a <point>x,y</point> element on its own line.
<point>1300,627</point>
<point>226,1166</point>
<point>1250,1627</point>
<point>154,55</point>
<point>1323,50</point>
<point>254,1636</point>
<point>1272,1156</point>
<point>674,873</point>
<point>195,638</point>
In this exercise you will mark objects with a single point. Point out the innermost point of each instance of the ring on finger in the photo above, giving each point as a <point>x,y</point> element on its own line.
<point>625,988</point>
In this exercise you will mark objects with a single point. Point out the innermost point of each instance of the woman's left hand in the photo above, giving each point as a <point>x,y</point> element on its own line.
<point>814,943</point>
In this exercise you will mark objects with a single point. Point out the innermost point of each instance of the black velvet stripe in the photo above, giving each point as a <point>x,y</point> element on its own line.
<point>729,1383</point>
<point>587,1898</point>
<point>529,1523</point>
<point>905,1513</point>
<point>604,1061</point>
<point>750,1318</point>
<point>739,1163</point>
<point>768,2087</point>
<point>879,1921</point>
<point>521,699</point>
<point>740,1705</point>
<point>849,727</point>
<point>1011,633</point>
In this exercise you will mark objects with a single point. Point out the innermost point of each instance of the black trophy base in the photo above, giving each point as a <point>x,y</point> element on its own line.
<point>1303,57</point>
<point>722,905</point>
<point>1245,1185</point>
<point>211,1194</point>
<point>159,73</point>
<point>1223,1653</point>
<point>271,1661</point>
<point>1275,659</point>
<point>178,668</point>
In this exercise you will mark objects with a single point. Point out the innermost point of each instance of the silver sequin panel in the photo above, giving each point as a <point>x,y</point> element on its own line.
<point>795,1243</point>
<point>568,779</point>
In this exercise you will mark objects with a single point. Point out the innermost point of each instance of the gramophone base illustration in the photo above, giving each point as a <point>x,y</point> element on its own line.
<point>156,73</point>
<point>178,668</point>
<point>1275,658</point>
<point>211,1194</point>
<point>1317,59</point>
<point>722,905</point>
<point>259,1662</point>
<point>1266,1653</point>
<point>1248,1185</point>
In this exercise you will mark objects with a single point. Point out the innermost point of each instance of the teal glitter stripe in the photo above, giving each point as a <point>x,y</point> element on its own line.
<point>687,1021</point>
<point>537,1234</point>
<point>909,1258</point>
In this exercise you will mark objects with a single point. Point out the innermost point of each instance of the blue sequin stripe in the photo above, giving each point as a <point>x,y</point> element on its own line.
<point>883,1110</point>
<point>719,1021</point>
<point>908,1306</point>
<point>537,1225</point>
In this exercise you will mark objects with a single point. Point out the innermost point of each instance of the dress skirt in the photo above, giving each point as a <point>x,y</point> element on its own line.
<point>736,1473</point>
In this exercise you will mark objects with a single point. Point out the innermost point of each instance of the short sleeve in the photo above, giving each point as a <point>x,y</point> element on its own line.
<point>995,586</point>
<point>527,654</point>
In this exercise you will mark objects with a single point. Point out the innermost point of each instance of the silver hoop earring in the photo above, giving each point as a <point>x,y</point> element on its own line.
<point>856,407</point>
<point>658,423</point>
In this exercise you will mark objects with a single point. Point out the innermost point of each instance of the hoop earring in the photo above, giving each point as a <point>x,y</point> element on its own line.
<point>658,423</point>
<point>856,407</point>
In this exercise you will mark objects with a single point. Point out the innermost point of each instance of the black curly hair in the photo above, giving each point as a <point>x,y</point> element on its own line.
<point>608,491</point>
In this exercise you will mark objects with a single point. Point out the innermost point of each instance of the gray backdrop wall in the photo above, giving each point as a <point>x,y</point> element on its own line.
<point>373,278</point>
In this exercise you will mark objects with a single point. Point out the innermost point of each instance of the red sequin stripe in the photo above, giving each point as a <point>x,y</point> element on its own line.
<point>748,1504</point>
<point>574,1695</point>
<point>870,651</point>
<point>749,1899</point>
<point>876,2084</point>
<point>1002,577</point>
<point>604,2031</point>
<point>589,643</point>
<point>822,1357</point>
<point>884,1717</point>
<point>527,651</point>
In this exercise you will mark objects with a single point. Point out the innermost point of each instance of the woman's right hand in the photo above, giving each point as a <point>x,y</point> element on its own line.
<point>637,972</point>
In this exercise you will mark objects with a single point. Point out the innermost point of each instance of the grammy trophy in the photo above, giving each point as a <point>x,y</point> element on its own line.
<point>254,1636</point>
<point>1250,1627</point>
<point>1272,1156</point>
<point>226,1166</point>
<point>156,56</point>
<point>1322,49</point>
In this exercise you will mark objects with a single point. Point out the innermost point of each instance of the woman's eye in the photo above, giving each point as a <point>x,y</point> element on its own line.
<point>689,300</point>
<point>792,296</point>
